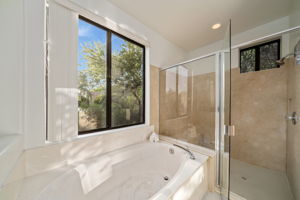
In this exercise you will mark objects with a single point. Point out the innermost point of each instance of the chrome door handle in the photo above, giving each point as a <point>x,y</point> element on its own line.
<point>229,130</point>
<point>293,117</point>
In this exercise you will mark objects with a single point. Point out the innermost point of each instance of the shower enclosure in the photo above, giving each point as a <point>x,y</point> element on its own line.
<point>265,108</point>
<point>258,157</point>
<point>194,102</point>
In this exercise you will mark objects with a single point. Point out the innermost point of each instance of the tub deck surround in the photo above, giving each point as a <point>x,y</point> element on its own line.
<point>56,155</point>
<point>11,147</point>
<point>211,154</point>
<point>140,171</point>
<point>202,150</point>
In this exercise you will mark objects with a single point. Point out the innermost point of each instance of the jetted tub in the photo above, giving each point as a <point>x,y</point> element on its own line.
<point>155,171</point>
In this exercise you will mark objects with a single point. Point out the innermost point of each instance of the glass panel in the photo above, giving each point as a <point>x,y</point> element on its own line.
<point>170,96</point>
<point>247,60</point>
<point>224,153</point>
<point>293,109</point>
<point>187,102</point>
<point>269,55</point>
<point>273,95</point>
<point>127,82</point>
<point>182,90</point>
<point>91,77</point>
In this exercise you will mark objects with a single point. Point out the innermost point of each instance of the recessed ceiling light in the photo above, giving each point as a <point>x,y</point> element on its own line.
<point>216,26</point>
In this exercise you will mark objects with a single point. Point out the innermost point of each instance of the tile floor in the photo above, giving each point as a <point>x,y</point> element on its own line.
<point>211,196</point>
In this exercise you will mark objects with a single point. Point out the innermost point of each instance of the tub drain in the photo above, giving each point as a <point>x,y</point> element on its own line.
<point>166,178</point>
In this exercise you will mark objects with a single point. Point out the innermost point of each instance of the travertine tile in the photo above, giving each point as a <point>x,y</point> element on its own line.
<point>188,114</point>
<point>154,97</point>
<point>259,106</point>
<point>293,131</point>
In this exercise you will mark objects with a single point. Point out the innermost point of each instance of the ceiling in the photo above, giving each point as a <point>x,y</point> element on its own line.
<point>187,23</point>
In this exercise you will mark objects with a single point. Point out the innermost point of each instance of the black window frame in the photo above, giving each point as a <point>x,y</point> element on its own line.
<point>257,54</point>
<point>109,34</point>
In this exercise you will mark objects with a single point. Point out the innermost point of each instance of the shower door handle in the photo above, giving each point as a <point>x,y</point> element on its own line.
<point>229,130</point>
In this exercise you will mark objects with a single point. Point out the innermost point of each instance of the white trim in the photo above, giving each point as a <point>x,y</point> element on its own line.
<point>104,21</point>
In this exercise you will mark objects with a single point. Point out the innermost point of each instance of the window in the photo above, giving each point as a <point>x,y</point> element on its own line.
<point>111,79</point>
<point>260,57</point>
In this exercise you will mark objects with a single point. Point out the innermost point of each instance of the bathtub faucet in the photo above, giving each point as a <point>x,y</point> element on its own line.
<point>192,156</point>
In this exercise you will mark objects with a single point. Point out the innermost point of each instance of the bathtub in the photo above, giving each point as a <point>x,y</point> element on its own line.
<point>154,171</point>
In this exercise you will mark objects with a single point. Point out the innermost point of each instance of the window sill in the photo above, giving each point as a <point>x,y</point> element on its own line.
<point>99,133</point>
<point>111,131</point>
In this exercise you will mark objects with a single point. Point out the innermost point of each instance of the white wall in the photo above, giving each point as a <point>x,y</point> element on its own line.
<point>257,32</point>
<point>12,60</point>
<point>295,15</point>
<point>251,34</point>
<point>162,53</point>
<point>34,121</point>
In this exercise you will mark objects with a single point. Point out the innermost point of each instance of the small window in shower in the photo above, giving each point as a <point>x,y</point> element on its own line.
<point>260,57</point>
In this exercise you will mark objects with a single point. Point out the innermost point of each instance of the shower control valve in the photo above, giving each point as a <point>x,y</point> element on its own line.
<point>293,117</point>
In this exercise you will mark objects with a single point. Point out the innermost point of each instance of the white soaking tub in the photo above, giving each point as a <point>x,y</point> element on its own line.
<point>143,171</point>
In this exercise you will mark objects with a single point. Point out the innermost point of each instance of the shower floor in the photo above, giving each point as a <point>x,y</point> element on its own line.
<point>257,183</point>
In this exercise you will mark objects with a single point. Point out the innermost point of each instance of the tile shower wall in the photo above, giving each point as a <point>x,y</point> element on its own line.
<point>259,106</point>
<point>154,97</point>
<point>187,106</point>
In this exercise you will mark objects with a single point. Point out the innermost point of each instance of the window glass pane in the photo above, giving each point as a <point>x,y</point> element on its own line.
<point>268,56</point>
<point>247,60</point>
<point>127,83</point>
<point>91,76</point>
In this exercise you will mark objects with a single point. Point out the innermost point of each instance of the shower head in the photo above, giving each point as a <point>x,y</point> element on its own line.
<point>296,54</point>
<point>281,61</point>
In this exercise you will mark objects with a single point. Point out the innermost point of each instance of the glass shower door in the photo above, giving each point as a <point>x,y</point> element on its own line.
<point>226,128</point>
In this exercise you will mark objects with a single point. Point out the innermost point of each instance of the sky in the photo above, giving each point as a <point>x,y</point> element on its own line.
<point>91,33</point>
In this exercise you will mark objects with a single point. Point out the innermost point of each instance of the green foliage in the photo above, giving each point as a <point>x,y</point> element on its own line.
<point>96,114</point>
<point>248,60</point>
<point>95,57</point>
<point>127,81</point>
